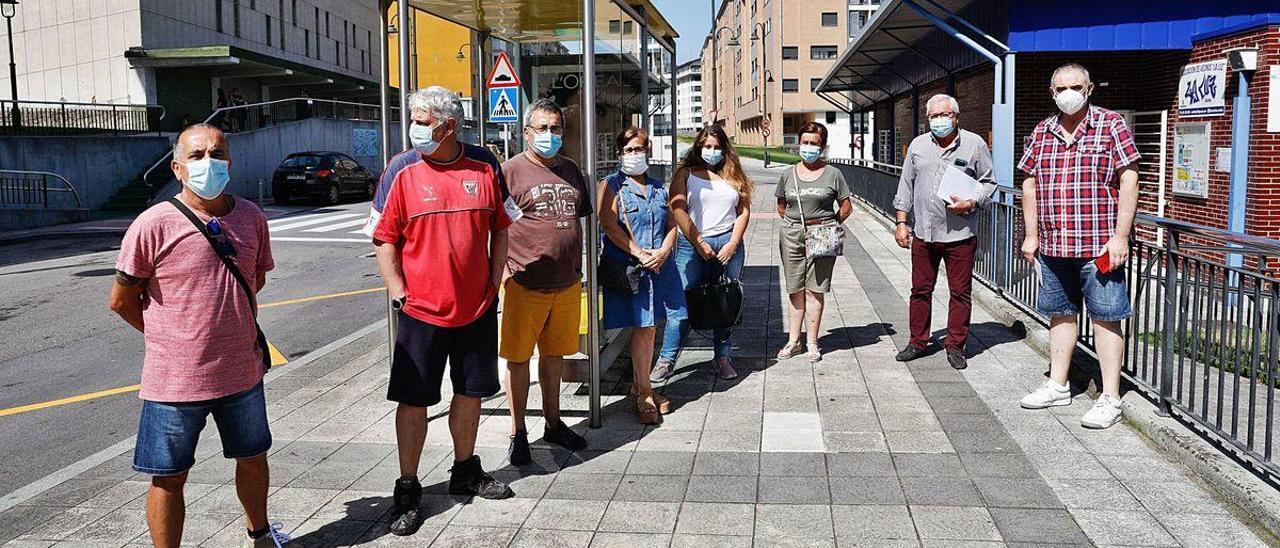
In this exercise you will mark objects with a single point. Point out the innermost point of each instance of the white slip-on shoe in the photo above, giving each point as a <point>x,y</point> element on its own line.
<point>1049,394</point>
<point>1105,413</point>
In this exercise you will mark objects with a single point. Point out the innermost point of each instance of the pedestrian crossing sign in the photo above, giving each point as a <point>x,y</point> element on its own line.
<point>504,105</point>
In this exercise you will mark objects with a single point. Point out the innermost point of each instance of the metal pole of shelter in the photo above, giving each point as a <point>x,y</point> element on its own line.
<point>593,226</point>
<point>384,91</point>
<point>403,45</point>
<point>675,154</point>
<point>384,96</point>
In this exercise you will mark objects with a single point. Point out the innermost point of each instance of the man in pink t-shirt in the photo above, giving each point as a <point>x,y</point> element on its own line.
<point>203,355</point>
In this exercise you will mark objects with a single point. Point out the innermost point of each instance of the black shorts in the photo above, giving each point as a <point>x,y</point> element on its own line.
<point>417,367</point>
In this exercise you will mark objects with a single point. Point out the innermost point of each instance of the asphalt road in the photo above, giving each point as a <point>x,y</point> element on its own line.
<point>60,340</point>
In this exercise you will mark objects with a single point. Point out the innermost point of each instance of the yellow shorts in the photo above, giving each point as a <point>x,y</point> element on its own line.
<point>548,319</point>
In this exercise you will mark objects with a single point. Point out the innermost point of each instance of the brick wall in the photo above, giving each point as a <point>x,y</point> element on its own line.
<point>1262,211</point>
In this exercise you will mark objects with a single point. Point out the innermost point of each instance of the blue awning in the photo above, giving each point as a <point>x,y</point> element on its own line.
<point>1108,25</point>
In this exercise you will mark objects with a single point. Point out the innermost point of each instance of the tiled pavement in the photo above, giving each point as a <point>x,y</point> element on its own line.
<point>856,450</point>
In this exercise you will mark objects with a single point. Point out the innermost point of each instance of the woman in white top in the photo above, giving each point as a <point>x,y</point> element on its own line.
<point>711,203</point>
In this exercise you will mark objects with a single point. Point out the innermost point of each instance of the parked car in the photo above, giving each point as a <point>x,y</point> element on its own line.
<point>328,176</point>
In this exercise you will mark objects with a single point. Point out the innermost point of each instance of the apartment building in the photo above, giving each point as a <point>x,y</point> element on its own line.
<point>689,97</point>
<point>766,58</point>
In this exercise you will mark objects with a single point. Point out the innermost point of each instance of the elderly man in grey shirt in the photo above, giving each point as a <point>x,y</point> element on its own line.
<point>945,229</point>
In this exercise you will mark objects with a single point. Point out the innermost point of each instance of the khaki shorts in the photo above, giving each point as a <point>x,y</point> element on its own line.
<point>800,272</point>
<point>546,319</point>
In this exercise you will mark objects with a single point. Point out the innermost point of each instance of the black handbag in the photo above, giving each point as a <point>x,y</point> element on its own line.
<point>235,273</point>
<point>715,304</point>
<point>618,276</point>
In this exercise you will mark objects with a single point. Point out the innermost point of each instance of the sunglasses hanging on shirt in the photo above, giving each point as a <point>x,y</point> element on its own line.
<point>220,242</point>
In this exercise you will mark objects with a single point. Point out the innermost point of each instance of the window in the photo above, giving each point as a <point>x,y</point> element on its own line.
<point>831,116</point>
<point>790,85</point>
<point>235,17</point>
<point>830,19</point>
<point>821,53</point>
<point>790,52</point>
<point>217,15</point>
<point>615,26</point>
<point>328,31</point>
<point>268,20</point>
<point>295,12</point>
<point>282,30</point>
<point>253,4</point>
<point>306,39</point>
<point>813,83</point>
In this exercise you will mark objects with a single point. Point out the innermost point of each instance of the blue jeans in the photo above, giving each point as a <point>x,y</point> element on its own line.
<point>693,269</point>
<point>168,432</point>
<point>1066,283</point>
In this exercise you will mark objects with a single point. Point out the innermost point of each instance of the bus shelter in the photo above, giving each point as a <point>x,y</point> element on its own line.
<point>609,64</point>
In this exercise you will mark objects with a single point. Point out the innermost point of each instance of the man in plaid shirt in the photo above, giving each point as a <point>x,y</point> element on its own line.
<point>1079,201</point>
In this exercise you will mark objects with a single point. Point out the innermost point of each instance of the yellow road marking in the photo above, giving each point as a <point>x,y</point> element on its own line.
<point>72,399</point>
<point>323,297</point>
<point>277,359</point>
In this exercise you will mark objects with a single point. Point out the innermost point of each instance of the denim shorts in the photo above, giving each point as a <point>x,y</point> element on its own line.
<point>1067,282</point>
<point>168,432</point>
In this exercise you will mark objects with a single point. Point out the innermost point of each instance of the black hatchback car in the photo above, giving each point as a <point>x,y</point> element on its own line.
<point>326,175</point>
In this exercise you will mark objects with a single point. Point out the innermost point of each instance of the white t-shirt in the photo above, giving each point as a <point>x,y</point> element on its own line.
<point>713,205</point>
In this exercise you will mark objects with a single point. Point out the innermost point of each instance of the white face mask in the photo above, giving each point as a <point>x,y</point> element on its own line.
<point>636,163</point>
<point>208,177</point>
<point>1070,101</point>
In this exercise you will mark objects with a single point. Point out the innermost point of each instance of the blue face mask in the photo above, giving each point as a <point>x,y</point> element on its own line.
<point>546,144</point>
<point>712,156</point>
<point>941,127</point>
<point>207,178</point>
<point>423,138</point>
<point>810,153</point>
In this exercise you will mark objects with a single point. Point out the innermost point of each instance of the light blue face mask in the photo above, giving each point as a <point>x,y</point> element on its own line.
<point>712,156</point>
<point>423,137</point>
<point>810,153</point>
<point>941,127</point>
<point>208,177</point>
<point>546,144</point>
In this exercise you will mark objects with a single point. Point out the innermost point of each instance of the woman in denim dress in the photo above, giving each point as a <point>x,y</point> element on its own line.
<point>638,230</point>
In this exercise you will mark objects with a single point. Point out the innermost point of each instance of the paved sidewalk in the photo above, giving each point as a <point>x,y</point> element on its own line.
<point>857,450</point>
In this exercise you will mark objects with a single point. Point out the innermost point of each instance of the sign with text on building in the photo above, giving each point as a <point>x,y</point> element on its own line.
<point>1191,159</point>
<point>1202,90</point>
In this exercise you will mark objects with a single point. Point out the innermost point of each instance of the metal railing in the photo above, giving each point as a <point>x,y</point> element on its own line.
<point>26,189</point>
<point>63,118</point>
<point>260,115</point>
<point>1204,339</point>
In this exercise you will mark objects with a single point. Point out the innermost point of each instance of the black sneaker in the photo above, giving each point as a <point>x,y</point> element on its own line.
<point>467,478</point>
<point>407,512</point>
<point>518,451</point>
<point>565,437</point>
<point>955,357</point>
<point>910,353</point>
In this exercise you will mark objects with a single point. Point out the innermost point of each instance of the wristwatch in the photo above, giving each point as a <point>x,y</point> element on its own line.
<point>397,304</point>
<point>902,222</point>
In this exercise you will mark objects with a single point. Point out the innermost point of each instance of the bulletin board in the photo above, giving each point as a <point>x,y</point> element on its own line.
<point>1191,159</point>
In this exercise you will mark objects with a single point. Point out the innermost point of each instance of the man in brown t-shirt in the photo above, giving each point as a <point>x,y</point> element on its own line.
<point>542,303</point>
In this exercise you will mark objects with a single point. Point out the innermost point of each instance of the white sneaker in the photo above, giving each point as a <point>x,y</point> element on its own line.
<point>275,538</point>
<point>1049,394</point>
<point>1106,412</point>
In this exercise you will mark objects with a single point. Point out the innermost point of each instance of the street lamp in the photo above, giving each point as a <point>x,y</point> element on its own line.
<point>715,55</point>
<point>461,56</point>
<point>764,118</point>
<point>758,32</point>
<point>8,9</point>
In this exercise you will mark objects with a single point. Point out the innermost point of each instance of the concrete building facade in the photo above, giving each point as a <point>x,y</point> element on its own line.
<point>765,61</point>
<point>689,97</point>
<point>178,54</point>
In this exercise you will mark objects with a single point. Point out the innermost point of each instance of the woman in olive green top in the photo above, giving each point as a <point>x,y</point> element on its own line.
<point>824,195</point>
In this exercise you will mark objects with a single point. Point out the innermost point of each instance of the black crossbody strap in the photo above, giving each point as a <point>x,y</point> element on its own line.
<point>235,273</point>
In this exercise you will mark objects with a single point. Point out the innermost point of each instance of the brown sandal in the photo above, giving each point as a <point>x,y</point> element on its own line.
<point>646,410</point>
<point>663,402</point>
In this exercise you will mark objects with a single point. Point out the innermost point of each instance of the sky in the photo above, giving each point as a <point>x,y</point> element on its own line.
<point>692,20</point>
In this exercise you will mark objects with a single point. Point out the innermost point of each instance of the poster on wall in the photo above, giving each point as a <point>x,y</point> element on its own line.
<point>1191,160</point>
<point>1202,89</point>
<point>1273,100</point>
